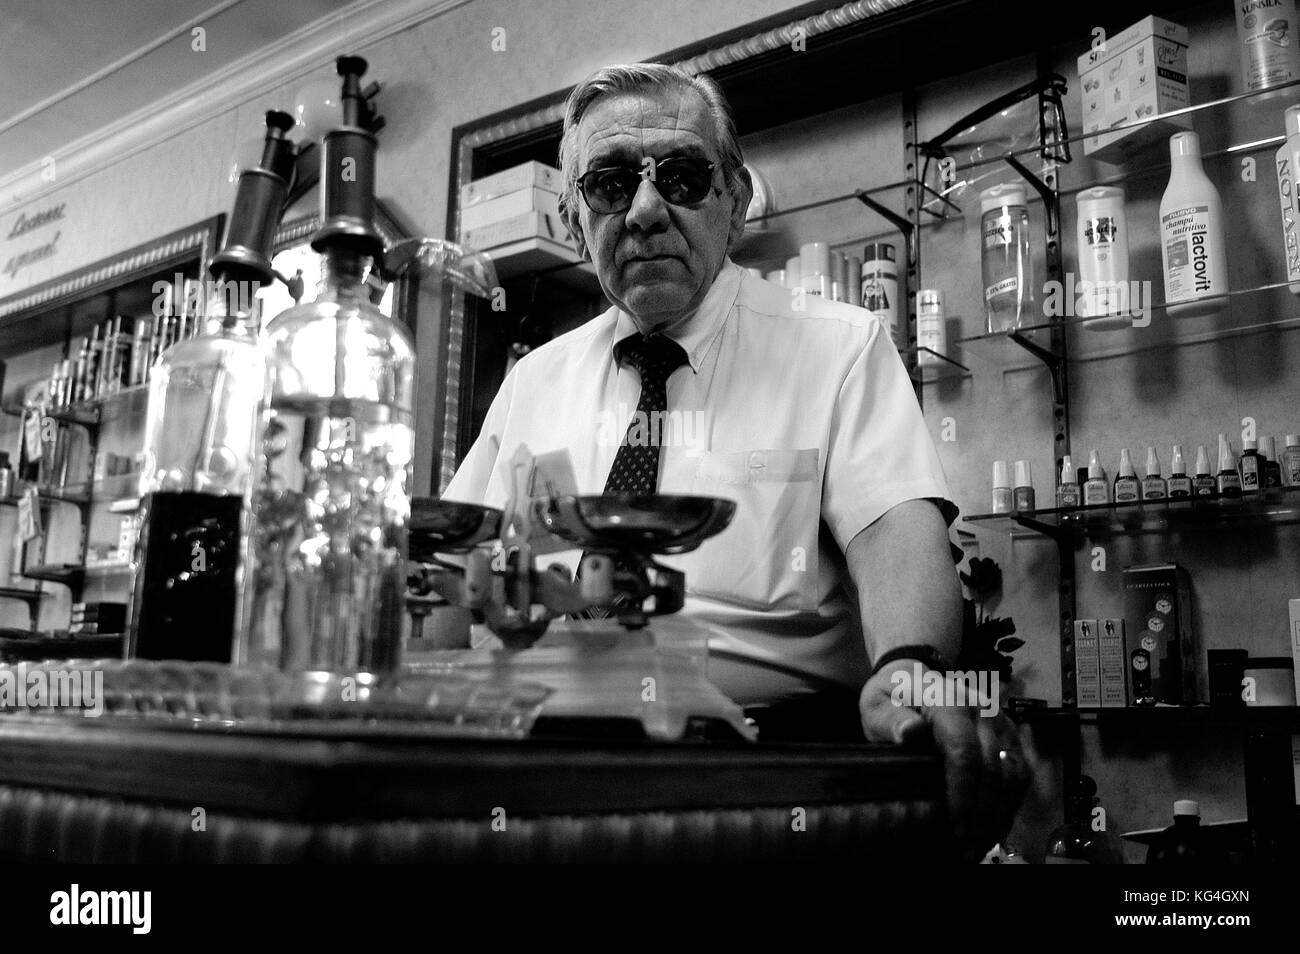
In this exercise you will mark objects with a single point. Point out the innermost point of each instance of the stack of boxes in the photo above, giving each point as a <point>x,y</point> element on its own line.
<point>514,216</point>
<point>1100,666</point>
<point>1138,73</point>
<point>91,619</point>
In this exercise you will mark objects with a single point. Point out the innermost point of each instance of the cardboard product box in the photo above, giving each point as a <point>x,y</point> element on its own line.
<point>508,206</point>
<point>1294,607</point>
<point>1087,663</point>
<point>1114,663</point>
<point>529,175</point>
<point>1139,73</point>
<point>1158,611</point>
<point>517,229</point>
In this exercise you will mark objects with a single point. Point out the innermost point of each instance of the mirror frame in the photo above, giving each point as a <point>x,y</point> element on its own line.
<point>543,116</point>
<point>203,238</point>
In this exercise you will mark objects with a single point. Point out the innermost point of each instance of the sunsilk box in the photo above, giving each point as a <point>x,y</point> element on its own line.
<point>1136,74</point>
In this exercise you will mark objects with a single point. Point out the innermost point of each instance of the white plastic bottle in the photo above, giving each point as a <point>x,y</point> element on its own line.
<point>1192,246</point>
<point>1102,234</point>
<point>879,290</point>
<point>1288,168</point>
<point>1266,31</point>
<point>931,331</point>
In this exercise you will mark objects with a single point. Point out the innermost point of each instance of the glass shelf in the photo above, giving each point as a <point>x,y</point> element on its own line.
<point>1285,718</point>
<point>844,222</point>
<point>86,413</point>
<point>56,496</point>
<point>107,568</point>
<point>943,367</point>
<point>28,596</point>
<point>83,493</point>
<point>1002,350</point>
<point>1274,97</point>
<point>875,192</point>
<point>105,489</point>
<point>1278,506</point>
<point>68,574</point>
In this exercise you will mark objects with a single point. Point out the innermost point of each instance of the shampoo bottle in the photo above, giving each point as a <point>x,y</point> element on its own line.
<point>1266,32</point>
<point>1285,161</point>
<point>1192,246</point>
<point>1127,488</point>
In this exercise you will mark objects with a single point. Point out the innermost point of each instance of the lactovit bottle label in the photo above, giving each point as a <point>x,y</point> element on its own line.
<point>1190,267</point>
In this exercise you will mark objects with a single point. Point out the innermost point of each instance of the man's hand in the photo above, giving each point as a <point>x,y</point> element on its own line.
<point>987,763</point>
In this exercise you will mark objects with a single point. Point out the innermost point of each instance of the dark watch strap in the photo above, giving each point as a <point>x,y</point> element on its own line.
<point>928,655</point>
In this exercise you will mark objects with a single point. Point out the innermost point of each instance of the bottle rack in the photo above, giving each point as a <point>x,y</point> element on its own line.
<point>83,495</point>
<point>1277,506</point>
<point>1061,342</point>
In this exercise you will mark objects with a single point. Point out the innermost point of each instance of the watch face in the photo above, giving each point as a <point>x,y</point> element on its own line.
<point>1164,605</point>
<point>1140,663</point>
<point>1149,642</point>
<point>1156,624</point>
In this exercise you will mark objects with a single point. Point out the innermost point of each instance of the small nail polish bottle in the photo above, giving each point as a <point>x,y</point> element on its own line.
<point>1153,485</point>
<point>1068,494</point>
<point>1002,497</point>
<point>1203,484</point>
<point>1095,489</point>
<point>1127,487</point>
<point>1228,480</point>
<point>1023,492</point>
<point>1180,485</point>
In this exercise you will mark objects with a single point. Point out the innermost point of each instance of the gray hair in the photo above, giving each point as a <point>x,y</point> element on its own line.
<point>635,78</point>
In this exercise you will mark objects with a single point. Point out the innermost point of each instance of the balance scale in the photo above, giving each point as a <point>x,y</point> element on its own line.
<point>638,661</point>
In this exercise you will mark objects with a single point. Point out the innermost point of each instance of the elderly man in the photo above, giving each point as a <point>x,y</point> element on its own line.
<point>835,573</point>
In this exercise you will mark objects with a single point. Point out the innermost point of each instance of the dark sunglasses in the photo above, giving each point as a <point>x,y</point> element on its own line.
<point>680,181</point>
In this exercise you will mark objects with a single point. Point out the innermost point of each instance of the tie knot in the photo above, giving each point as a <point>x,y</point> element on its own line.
<point>655,356</point>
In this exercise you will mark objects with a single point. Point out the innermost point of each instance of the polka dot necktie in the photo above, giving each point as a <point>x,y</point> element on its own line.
<point>636,465</point>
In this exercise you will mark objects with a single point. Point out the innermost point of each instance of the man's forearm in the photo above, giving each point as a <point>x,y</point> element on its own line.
<point>907,586</point>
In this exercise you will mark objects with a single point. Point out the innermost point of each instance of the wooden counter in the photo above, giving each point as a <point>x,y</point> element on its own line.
<point>82,791</point>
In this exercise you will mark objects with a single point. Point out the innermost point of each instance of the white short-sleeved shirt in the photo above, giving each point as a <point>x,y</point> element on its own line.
<point>800,411</point>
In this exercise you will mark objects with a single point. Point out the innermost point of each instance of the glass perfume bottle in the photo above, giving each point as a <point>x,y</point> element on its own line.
<point>202,428</point>
<point>1083,839</point>
<point>332,502</point>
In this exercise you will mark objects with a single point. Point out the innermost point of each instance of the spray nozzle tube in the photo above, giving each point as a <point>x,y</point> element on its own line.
<point>245,253</point>
<point>347,176</point>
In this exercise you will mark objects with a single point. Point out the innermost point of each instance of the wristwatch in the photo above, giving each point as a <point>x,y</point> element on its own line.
<point>928,655</point>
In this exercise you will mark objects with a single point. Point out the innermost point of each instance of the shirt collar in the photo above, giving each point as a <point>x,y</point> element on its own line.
<point>697,334</point>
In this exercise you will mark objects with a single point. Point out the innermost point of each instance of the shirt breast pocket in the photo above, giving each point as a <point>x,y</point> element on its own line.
<point>767,557</point>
